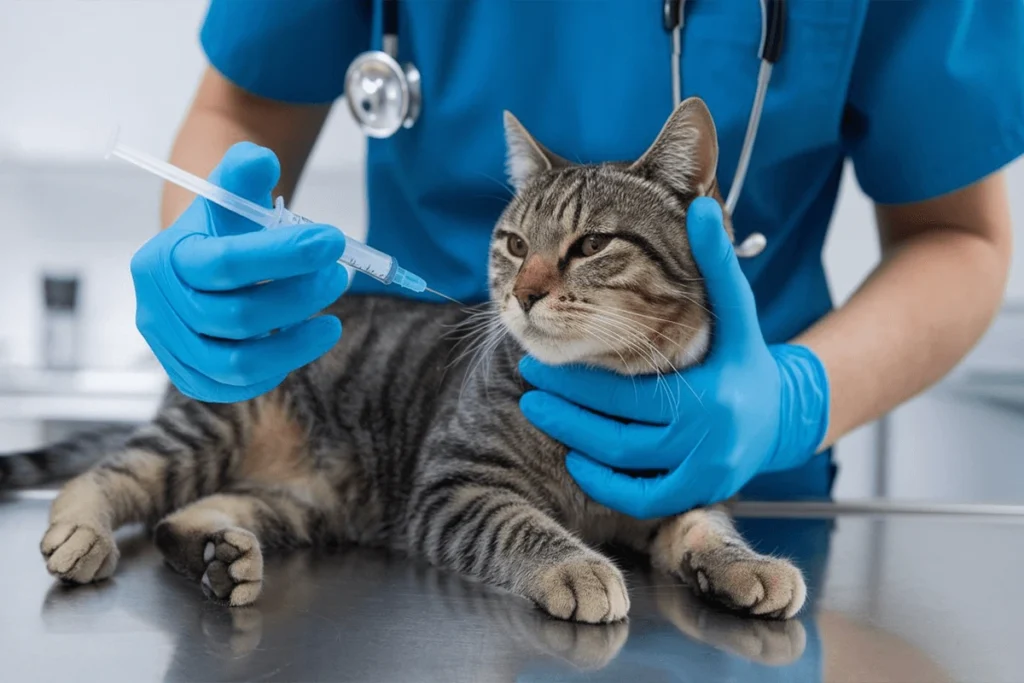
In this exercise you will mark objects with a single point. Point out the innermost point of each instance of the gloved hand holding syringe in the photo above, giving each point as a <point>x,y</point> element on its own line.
<point>359,256</point>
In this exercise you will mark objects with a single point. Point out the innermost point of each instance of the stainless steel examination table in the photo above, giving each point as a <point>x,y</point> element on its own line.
<point>902,596</point>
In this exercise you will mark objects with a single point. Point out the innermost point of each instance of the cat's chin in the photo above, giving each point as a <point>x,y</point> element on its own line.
<point>552,348</point>
<point>551,351</point>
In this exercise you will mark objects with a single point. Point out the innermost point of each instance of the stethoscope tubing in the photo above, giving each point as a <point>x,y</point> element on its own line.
<point>773,25</point>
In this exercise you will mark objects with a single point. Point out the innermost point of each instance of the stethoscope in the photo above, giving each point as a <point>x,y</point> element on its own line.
<point>385,96</point>
<point>382,94</point>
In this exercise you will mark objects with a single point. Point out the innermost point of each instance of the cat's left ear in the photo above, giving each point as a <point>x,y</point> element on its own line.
<point>525,157</point>
<point>685,154</point>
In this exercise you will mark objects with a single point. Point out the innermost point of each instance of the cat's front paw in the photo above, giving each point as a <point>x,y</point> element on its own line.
<point>234,567</point>
<point>227,562</point>
<point>589,590</point>
<point>760,585</point>
<point>79,553</point>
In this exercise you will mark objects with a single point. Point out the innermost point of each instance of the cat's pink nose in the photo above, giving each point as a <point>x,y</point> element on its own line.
<point>528,296</point>
<point>536,279</point>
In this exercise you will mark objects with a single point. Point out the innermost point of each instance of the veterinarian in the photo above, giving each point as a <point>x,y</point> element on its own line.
<point>926,99</point>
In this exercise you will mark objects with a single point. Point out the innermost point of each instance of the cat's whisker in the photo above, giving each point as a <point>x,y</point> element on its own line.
<point>496,344</point>
<point>478,342</point>
<point>473,328</point>
<point>488,196</point>
<point>605,337</point>
<point>502,185</point>
<point>624,325</point>
<point>632,345</point>
<point>482,325</point>
<point>625,318</point>
<point>487,356</point>
<point>633,314</point>
<point>489,334</point>
<point>653,352</point>
<point>689,297</point>
<point>474,315</point>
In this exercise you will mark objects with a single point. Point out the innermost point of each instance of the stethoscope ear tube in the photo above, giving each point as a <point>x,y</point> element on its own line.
<point>389,20</point>
<point>672,14</point>
<point>773,29</point>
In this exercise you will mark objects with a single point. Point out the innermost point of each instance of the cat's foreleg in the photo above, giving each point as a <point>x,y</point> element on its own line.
<point>125,488</point>
<point>703,548</point>
<point>495,534</point>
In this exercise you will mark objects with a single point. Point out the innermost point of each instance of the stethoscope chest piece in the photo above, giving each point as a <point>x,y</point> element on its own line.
<point>382,94</point>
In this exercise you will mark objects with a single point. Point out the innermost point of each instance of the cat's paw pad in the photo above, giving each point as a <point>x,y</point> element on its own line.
<point>588,590</point>
<point>234,567</point>
<point>79,553</point>
<point>760,585</point>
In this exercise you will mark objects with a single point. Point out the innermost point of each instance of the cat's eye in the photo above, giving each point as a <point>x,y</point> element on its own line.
<point>594,243</point>
<point>517,246</point>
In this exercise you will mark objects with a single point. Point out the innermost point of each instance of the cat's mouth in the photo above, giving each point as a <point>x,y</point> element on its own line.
<point>557,336</point>
<point>625,342</point>
<point>539,326</point>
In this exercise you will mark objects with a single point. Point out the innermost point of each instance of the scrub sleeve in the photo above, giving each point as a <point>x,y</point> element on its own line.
<point>294,51</point>
<point>936,99</point>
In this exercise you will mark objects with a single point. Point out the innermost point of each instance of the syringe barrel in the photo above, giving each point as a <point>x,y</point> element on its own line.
<point>363,258</point>
<point>368,260</point>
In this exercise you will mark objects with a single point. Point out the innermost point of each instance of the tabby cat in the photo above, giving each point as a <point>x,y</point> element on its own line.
<point>387,441</point>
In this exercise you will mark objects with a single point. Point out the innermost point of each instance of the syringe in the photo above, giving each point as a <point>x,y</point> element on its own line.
<point>363,258</point>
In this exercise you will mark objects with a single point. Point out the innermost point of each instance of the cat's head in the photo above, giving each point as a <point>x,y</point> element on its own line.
<point>591,263</point>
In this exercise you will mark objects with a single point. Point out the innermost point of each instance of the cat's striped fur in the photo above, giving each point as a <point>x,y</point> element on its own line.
<point>397,438</point>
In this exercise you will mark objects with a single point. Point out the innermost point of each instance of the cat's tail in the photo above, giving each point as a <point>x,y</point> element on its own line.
<point>63,459</point>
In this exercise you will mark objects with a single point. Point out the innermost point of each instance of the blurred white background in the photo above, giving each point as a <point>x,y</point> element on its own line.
<point>75,68</point>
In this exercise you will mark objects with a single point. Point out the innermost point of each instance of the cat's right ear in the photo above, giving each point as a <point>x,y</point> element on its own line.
<point>685,154</point>
<point>524,156</point>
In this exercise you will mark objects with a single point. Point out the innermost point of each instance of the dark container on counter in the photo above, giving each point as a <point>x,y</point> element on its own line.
<point>61,322</point>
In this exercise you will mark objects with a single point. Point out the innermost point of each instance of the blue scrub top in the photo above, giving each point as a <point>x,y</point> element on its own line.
<point>923,97</point>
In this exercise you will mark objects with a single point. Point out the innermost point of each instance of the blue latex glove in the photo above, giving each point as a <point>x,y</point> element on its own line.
<point>212,287</point>
<point>749,408</point>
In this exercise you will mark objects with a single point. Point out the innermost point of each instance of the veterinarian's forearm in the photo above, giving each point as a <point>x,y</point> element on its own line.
<point>222,115</point>
<point>929,301</point>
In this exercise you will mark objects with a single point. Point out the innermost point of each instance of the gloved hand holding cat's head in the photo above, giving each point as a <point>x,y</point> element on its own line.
<point>626,266</point>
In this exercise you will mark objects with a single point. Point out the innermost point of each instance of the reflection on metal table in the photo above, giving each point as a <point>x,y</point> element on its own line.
<point>893,597</point>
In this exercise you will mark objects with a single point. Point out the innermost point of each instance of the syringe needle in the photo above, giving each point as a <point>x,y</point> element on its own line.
<point>445,296</point>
